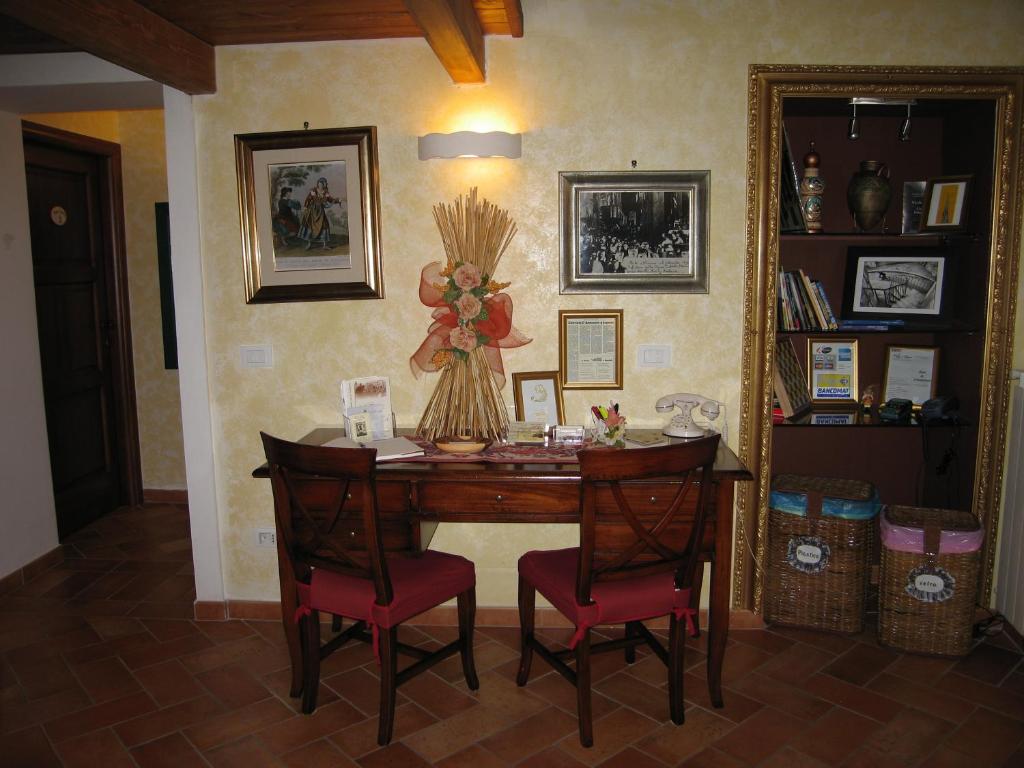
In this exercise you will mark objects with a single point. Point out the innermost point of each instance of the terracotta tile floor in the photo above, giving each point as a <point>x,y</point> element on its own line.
<point>101,666</point>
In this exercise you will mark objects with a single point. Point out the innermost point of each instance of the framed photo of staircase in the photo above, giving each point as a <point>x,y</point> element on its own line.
<point>897,285</point>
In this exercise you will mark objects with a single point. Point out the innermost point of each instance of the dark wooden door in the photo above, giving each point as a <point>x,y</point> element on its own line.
<point>66,214</point>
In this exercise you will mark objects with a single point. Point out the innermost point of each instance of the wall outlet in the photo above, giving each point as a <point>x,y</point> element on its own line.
<point>266,537</point>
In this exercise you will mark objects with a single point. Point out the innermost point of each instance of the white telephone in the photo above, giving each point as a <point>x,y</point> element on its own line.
<point>683,425</point>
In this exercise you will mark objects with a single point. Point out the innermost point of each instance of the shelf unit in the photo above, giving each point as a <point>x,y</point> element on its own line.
<point>965,121</point>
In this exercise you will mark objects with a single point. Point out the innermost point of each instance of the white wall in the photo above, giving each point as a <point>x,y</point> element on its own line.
<point>28,520</point>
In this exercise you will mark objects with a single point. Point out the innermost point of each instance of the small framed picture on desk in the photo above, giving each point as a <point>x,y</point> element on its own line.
<point>538,397</point>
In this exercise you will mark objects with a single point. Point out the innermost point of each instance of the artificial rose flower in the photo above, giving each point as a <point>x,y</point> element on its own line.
<point>614,419</point>
<point>463,339</point>
<point>467,277</point>
<point>469,306</point>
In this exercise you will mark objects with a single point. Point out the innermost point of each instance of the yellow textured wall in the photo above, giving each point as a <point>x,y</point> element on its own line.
<point>156,388</point>
<point>593,85</point>
<point>144,179</point>
<point>98,125</point>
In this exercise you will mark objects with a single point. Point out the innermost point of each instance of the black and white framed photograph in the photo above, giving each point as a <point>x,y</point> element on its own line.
<point>896,284</point>
<point>634,232</point>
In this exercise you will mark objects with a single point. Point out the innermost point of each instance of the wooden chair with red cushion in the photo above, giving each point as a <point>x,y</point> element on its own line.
<point>632,564</point>
<point>331,557</point>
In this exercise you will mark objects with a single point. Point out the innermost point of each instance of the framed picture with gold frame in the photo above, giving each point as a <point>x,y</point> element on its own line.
<point>590,348</point>
<point>538,396</point>
<point>832,371</point>
<point>309,204</point>
<point>911,373</point>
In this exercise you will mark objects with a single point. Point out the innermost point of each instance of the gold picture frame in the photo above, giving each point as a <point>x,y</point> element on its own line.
<point>309,204</point>
<point>832,371</point>
<point>590,348</point>
<point>535,392</point>
<point>911,373</point>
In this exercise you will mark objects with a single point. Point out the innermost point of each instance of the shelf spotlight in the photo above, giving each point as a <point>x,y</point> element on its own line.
<point>904,133</point>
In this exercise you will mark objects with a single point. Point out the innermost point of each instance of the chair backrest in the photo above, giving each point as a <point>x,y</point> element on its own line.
<point>622,534</point>
<point>325,507</point>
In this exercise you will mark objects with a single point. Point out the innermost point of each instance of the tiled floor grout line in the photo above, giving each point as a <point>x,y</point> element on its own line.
<point>989,691</point>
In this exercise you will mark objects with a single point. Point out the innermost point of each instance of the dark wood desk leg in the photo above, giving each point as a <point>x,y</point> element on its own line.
<point>718,601</point>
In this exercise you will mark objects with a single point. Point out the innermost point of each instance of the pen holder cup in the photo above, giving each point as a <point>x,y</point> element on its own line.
<point>613,437</point>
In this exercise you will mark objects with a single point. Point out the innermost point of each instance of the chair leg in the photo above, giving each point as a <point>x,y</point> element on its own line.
<point>388,649</point>
<point>293,638</point>
<point>676,651</point>
<point>583,711</point>
<point>527,603</point>
<point>630,649</point>
<point>467,613</point>
<point>310,661</point>
<point>698,582</point>
<point>335,623</point>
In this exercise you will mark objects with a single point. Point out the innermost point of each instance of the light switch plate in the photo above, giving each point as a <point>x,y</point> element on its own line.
<point>257,356</point>
<point>654,356</point>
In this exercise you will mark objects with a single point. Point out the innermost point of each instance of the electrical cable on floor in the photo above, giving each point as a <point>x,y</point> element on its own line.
<point>991,625</point>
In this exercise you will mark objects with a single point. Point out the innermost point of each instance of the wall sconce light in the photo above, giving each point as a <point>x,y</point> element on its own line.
<point>470,144</point>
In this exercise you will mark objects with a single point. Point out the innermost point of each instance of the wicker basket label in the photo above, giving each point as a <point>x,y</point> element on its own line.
<point>930,584</point>
<point>808,554</point>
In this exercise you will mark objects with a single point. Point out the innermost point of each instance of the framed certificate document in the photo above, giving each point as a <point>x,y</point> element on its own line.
<point>832,371</point>
<point>911,373</point>
<point>590,348</point>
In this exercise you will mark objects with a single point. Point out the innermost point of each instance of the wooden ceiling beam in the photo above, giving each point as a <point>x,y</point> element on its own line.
<point>453,31</point>
<point>514,14</point>
<point>127,34</point>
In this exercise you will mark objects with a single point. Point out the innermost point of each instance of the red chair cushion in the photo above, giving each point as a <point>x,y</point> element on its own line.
<point>418,583</point>
<point>553,573</point>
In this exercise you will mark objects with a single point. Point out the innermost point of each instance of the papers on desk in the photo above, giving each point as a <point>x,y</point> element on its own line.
<point>366,408</point>
<point>388,448</point>
<point>644,438</point>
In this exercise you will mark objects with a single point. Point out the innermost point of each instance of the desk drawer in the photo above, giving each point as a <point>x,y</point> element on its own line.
<point>499,502</point>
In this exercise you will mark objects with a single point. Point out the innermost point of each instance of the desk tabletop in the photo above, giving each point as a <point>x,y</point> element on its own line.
<point>727,464</point>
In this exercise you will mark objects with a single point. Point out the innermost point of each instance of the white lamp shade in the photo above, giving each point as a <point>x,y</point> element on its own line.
<point>470,144</point>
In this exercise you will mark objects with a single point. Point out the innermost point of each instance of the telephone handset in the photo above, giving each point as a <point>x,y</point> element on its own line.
<point>683,425</point>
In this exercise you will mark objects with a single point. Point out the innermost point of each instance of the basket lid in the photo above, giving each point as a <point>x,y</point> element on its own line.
<point>836,487</point>
<point>930,531</point>
<point>919,517</point>
<point>824,496</point>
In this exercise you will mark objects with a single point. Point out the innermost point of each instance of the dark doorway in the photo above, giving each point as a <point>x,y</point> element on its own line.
<point>78,256</point>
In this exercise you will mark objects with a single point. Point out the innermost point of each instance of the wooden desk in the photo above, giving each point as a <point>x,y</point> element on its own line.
<point>433,492</point>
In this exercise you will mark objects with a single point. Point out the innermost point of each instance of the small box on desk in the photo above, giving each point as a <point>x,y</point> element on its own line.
<point>929,577</point>
<point>820,532</point>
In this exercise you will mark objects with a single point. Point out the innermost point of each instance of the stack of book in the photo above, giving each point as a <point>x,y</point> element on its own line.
<point>803,305</point>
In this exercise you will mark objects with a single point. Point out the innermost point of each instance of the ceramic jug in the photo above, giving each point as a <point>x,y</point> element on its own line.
<point>868,194</point>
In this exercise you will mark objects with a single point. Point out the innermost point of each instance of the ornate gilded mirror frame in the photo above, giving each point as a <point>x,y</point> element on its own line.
<point>768,86</point>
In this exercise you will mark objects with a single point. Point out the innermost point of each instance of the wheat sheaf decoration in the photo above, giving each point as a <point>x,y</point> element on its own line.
<point>472,322</point>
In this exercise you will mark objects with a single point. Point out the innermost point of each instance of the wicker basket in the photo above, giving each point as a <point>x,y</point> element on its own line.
<point>927,596</point>
<point>818,568</point>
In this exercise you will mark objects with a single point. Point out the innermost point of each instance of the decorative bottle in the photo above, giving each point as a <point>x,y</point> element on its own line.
<point>812,186</point>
